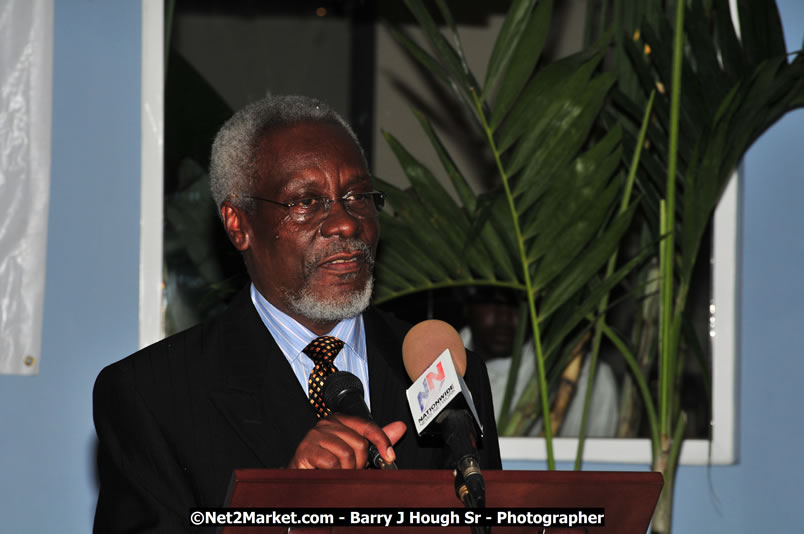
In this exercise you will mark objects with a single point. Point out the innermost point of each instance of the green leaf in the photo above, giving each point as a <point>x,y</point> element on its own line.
<point>560,134</point>
<point>440,210</point>
<point>568,239</point>
<point>461,80</point>
<point>731,51</point>
<point>462,187</point>
<point>404,266</point>
<point>394,232</point>
<point>593,259</point>
<point>761,30</point>
<point>389,283</point>
<point>587,306</point>
<point>566,215</point>
<point>570,177</point>
<point>420,54</point>
<point>488,238</point>
<point>409,211</point>
<point>513,29</point>
<point>708,72</point>
<point>504,226</point>
<point>486,232</point>
<point>540,93</point>
<point>450,20</point>
<point>523,60</point>
<point>694,114</point>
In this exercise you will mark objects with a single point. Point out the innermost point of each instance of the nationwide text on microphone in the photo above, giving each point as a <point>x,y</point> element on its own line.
<point>447,395</point>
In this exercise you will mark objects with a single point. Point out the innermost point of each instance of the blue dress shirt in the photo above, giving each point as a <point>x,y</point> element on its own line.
<point>292,337</point>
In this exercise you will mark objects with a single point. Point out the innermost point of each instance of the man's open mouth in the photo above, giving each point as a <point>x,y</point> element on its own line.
<point>345,263</point>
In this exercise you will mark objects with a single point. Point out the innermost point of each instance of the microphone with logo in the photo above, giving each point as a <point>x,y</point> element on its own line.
<point>441,403</point>
<point>343,393</point>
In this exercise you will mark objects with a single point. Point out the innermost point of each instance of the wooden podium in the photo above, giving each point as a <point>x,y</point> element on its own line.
<point>628,498</point>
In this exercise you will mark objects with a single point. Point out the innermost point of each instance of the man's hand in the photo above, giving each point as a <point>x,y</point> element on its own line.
<point>341,442</point>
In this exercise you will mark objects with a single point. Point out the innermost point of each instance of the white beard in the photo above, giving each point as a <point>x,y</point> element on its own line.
<point>316,308</point>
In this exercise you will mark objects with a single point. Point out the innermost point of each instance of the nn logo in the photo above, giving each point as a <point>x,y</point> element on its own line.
<point>432,381</point>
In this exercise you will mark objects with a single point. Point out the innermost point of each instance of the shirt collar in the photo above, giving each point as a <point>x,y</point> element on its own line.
<point>292,337</point>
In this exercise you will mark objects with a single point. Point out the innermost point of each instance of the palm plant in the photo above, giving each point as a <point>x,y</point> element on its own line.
<point>555,220</point>
<point>553,227</point>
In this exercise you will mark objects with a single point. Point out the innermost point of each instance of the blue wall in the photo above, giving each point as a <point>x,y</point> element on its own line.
<point>46,435</point>
<point>762,493</point>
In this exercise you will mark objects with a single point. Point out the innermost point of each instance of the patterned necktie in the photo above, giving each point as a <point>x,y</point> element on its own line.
<point>322,350</point>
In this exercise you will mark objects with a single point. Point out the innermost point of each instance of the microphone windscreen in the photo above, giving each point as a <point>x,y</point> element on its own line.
<point>426,341</point>
<point>343,393</point>
<point>337,384</point>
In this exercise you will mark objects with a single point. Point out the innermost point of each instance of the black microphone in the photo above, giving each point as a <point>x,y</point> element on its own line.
<point>441,403</point>
<point>343,393</point>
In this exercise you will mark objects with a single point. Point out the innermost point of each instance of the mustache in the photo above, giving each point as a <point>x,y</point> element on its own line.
<point>336,247</point>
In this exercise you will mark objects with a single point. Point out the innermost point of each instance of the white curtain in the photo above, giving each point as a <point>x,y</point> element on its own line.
<point>26,73</point>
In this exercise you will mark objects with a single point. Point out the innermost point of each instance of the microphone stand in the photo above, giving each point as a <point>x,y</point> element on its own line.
<point>471,490</point>
<point>458,428</point>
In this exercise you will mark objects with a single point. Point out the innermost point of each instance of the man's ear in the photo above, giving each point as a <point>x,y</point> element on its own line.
<point>236,225</point>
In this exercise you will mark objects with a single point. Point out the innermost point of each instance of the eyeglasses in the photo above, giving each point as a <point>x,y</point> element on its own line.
<point>306,210</point>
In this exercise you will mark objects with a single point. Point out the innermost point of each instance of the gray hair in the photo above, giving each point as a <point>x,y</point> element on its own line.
<point>233,163</point>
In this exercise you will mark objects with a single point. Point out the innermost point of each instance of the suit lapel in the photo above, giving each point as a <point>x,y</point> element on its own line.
<point>259,394</point>
<point>386,371</point>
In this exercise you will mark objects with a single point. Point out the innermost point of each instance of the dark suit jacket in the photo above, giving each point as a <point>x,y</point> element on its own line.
<point>174,419</point>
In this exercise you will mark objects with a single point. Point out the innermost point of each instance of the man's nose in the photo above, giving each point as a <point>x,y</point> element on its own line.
<point>340,222</point>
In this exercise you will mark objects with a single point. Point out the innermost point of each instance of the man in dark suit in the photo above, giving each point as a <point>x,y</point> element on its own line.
<point>174,419</point>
